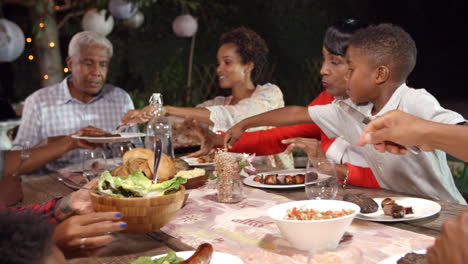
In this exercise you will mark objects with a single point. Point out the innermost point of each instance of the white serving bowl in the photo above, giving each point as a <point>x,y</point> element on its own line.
<point>313,235</point>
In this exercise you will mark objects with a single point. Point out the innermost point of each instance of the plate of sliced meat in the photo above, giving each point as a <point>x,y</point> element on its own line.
<point>280,179</point>
<point>397,209</point>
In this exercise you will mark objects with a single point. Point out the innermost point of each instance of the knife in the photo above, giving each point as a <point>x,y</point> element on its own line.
<point>360,117</point>
<point>157,158</point>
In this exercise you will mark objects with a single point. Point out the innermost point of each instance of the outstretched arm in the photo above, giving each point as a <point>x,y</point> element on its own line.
<point>289,115</point>
<point>199,114</point>
<point>392,131</point>
<point>39,156</point>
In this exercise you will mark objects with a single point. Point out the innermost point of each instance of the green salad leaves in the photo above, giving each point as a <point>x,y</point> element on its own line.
<point>170,258</point>
<point>137,185</point>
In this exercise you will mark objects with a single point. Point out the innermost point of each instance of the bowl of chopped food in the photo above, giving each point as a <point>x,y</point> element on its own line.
<point>145,206</point>
<point>313,225</point>
<point>195,177</point>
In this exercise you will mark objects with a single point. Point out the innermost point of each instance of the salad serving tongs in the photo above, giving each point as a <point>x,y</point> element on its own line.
<point>74,185</point>
<point>120,128</point>
<point>157,158</point>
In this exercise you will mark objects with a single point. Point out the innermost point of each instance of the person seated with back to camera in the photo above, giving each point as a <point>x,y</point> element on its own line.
<point>242,55</point>
<point>379,58</point>
<point>82,99</point>
<point>79,230</point>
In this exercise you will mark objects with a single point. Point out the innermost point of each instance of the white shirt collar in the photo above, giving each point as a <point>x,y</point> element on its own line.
<point>392,103</point>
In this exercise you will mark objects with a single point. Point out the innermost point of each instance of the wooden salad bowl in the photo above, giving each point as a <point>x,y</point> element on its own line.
<point>142,214</point>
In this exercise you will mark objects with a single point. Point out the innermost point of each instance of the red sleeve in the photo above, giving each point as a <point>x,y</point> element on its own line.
<point>46,209</point>
<point>267,142</point>
<point>362,177</point>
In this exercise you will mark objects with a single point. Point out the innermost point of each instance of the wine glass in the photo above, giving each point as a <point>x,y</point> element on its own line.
<point>320,179</point>
<point>118,149</point>
<point>93,163</point>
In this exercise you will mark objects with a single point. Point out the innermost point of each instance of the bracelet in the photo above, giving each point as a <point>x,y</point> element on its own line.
<point>24,155</point>
<point>345,181</point>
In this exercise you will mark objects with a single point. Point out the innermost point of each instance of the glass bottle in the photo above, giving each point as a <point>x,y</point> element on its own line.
<point>159,127</point>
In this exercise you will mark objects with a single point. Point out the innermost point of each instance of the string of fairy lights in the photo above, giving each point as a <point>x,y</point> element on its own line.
<point>51,45</point>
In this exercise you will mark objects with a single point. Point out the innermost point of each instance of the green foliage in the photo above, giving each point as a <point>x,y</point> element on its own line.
<point>152,59</point>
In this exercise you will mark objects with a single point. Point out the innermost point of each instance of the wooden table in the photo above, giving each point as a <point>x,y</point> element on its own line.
<point>41,188</point>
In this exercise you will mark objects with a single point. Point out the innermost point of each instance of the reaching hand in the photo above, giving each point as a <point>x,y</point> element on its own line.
<point>450,244</point>
<point>208,139</point>
<point>233,134</point>
<point>392,131</point>
<point>83,235</point>
<point>138,115</point>
<point>80,201</point>
<point>310,145</point>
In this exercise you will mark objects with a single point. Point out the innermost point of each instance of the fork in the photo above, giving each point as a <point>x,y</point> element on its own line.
<point>74,185</point>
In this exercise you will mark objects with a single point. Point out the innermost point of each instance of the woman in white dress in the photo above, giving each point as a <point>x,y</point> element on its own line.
<point>241,58</point>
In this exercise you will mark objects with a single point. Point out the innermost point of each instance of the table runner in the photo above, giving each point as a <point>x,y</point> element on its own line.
<point>245,230</point>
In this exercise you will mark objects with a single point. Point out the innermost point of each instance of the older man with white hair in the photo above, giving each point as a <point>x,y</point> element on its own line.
<point>81,99</point>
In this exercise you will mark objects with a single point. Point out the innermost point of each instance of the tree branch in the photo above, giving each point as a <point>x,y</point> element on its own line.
<point>68,16</point>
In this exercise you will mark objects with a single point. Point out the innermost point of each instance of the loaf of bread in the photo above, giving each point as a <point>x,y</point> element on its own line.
<point>143,159</point>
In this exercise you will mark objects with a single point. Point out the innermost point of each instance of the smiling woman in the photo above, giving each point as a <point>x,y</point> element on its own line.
<point>241,57</point>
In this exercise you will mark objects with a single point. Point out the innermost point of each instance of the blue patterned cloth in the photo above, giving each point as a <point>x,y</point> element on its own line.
<point>52,111</point>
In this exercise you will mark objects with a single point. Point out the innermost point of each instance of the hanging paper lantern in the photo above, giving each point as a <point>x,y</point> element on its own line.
<point>135,21</point>
<point>123,9</point>
<point>11,41</point>
<point>185,26</point>
<point>97,22</point>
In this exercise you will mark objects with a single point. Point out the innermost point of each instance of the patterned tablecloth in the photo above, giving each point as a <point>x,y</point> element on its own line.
<point>245,230</point>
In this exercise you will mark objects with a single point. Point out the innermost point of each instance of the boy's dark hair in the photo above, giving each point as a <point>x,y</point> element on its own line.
<point>25,237</point>
<point>389,45</point>
<point>250,46</point>
<point>337,36</point>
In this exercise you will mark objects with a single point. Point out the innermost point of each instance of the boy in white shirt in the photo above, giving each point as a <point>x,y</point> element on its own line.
<point>380,58</point>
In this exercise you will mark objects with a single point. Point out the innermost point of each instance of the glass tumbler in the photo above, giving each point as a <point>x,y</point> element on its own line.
<point>320,179</point>
<point>93,163</point>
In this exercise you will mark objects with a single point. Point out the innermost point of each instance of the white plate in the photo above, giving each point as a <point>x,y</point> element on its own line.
<point>394,259</point>
<point>250,180</point>
<point>123,137</point>
<point>421,208</point>
<point>216,258</point>
<point>192,161</point>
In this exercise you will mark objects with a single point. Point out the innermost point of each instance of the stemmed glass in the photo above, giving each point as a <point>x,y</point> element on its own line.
<point>320,179</point>
<point>119,148</point>
<point>93,163</point>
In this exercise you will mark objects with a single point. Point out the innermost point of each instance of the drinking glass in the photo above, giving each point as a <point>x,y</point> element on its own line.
<point>93,163</point>
<point>119,148</point>
<point>320,179</point>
